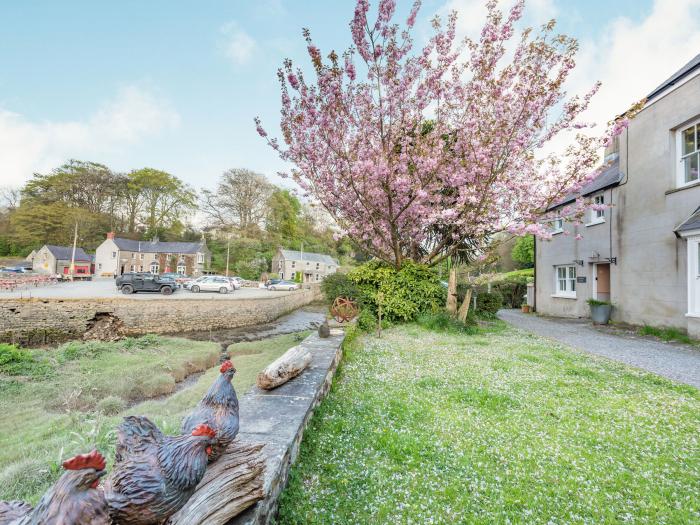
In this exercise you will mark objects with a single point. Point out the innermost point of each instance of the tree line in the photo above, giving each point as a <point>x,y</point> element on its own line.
<point>244,211</point>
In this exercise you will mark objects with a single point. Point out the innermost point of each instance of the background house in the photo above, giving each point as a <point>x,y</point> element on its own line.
<point>50,259</point>
<point>117,256</point>
<point>644,252</point>
<point>313,267</point>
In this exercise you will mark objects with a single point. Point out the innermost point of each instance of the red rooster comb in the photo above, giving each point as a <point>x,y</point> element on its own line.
<point>204,430</point>
<point>82,461</point>
<point>226,366</point>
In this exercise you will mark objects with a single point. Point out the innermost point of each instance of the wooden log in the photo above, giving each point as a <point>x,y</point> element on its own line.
<point>464,307</point>
<point>285,367</point>
<point>452,292</point>
<point>231,484</point>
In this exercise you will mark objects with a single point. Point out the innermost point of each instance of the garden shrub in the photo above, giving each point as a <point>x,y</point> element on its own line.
<point>339,285</point>
<point>489,303</point>
<point>407,292</point>
<point>511,285</point>
<point>367,321</point>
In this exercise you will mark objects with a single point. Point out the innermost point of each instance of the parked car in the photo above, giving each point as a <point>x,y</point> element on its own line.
<point>15,269</point>
<point>129,283</point>
<point>169,277</point>
<point>179,278</point>
<point>212,283</point>
<point>237,282</point>
<point>270,282</point>
<point>283,285</point>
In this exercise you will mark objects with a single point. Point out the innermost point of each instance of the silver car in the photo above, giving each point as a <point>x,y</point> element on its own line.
<point>284,285</point>
<point>211,283</point>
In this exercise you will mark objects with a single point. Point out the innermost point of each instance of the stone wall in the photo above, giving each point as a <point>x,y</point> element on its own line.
<point>41,321</point>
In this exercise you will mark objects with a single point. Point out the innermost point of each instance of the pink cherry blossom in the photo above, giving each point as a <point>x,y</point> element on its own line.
<point>427,153</point>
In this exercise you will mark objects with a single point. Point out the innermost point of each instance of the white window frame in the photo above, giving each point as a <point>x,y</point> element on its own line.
<point>565,282</point>
<point>200,258</point>
<point>557,226</point>
<point>596,216</point>
<point>181,268</point>
<point>683,158</point>
<point>156,266</point>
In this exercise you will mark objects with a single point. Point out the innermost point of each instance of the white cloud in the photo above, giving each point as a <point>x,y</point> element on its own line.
<point>28,146</point>
<point>237,45</point>
<point>634,58</point>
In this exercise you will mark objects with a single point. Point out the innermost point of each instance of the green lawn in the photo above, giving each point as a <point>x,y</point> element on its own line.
<point>499,427</point>
<point>70,399</point>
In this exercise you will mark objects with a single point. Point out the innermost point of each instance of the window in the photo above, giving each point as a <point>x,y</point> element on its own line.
<point>689,154</point>
<point>565,281</point>
<point>99,266</point>
<point>181,268</point>
<point>318,277</point>
<point>114,255</point>
<point>318,265</point>
<point>597,216</point>
<point>154,268</point>
<point>294,275</point>
<point>200,258</point>
<point>557,226</point>
<point>142,256</point>
<point>132,268</point>
<point>294,264</point>
<point>307,263</point>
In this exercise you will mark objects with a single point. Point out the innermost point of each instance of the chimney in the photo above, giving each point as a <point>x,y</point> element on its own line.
<point>110,235</point>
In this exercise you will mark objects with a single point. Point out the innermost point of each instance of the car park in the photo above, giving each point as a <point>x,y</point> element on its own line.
<point>133,282</point>
<point>283,285</point>
<point>212,283</point>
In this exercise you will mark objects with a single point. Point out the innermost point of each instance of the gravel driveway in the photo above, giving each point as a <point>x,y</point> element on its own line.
<point>678,362</point>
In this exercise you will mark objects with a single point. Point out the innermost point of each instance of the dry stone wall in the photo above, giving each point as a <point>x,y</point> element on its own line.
<point>42,321</point>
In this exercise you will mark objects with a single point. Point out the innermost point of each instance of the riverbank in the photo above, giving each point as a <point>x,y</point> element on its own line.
<point>70,399</point>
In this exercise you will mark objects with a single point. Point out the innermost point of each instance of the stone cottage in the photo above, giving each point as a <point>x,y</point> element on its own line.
<point>116,256</point>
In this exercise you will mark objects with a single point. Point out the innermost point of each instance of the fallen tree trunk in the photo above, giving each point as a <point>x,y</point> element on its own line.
<point>288,365</point>
<point>231,484</point>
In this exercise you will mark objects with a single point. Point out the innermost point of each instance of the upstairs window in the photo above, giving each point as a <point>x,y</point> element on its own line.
<point>557,226</point>
<point>597,216</point>
<point>565,284</point>
<point>689,154</point>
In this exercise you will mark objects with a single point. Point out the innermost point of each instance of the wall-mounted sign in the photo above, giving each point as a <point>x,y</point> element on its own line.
<point>581,279</point>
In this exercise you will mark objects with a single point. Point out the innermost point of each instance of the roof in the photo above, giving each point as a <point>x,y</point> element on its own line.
<point>608,178</point>
<point>691,223</point>
<point>294,255</point>
<point>65,253</point>
<point>132,245</point>
<point>679,75</point>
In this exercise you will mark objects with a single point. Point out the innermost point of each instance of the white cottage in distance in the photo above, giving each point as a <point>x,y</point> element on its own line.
<point>313,267</point>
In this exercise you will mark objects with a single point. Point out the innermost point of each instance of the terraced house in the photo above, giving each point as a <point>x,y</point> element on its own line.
<point>642,252</point>
<point>116,256</point>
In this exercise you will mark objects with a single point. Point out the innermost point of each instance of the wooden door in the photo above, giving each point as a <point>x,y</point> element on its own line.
<point>603,282</point>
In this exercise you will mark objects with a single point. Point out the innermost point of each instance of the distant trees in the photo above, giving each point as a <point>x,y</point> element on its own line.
<point>523,251</point>
<point>239,201</point>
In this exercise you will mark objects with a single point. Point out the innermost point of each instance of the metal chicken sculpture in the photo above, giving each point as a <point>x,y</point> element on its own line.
<point>154,475</point>
<point>74,499</point>
<point>219,410</point>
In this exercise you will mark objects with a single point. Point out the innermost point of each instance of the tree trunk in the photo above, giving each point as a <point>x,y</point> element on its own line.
<point>464,308</point>
<point>452,292</point>
<point>231,484</point>
<point>288,365</point>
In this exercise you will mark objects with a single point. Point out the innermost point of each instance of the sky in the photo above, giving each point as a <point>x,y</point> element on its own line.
<point>175,85</point>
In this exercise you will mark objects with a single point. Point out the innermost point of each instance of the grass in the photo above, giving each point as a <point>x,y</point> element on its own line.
<point>56,403</point>
<point>496,427</point>
<point>668,334</point>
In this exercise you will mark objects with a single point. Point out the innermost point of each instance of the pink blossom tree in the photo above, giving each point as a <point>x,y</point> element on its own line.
<point>436,150</point>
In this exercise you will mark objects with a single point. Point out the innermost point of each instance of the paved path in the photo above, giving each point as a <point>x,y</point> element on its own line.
<point>678,362</point>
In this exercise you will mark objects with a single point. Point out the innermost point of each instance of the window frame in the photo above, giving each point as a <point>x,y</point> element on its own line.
<point>596,216</point>
<point>556,230</point>
<point>569,290</point>
<point>681,157</point>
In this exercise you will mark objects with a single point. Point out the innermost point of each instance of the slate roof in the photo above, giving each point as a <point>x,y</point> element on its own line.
<point>679,75</point>
<point>691,223</point>
<point>294,255</point>
<point>132,245</point>
<point>610,177</point>
<point>64,253</point>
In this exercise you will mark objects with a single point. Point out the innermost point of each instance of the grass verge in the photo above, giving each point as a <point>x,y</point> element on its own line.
<point>56,403</point>
<point>668,334</point>
<point>497,427</point>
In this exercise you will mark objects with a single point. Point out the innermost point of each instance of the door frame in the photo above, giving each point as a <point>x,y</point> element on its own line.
<point>594,287</point>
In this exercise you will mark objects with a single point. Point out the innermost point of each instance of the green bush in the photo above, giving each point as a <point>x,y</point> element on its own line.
<point>511,285</point>
<point>404,293</point>
<point>489,303</point>
<point>339,285</point>
<point>367,321</point>
<point>443,322</point>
